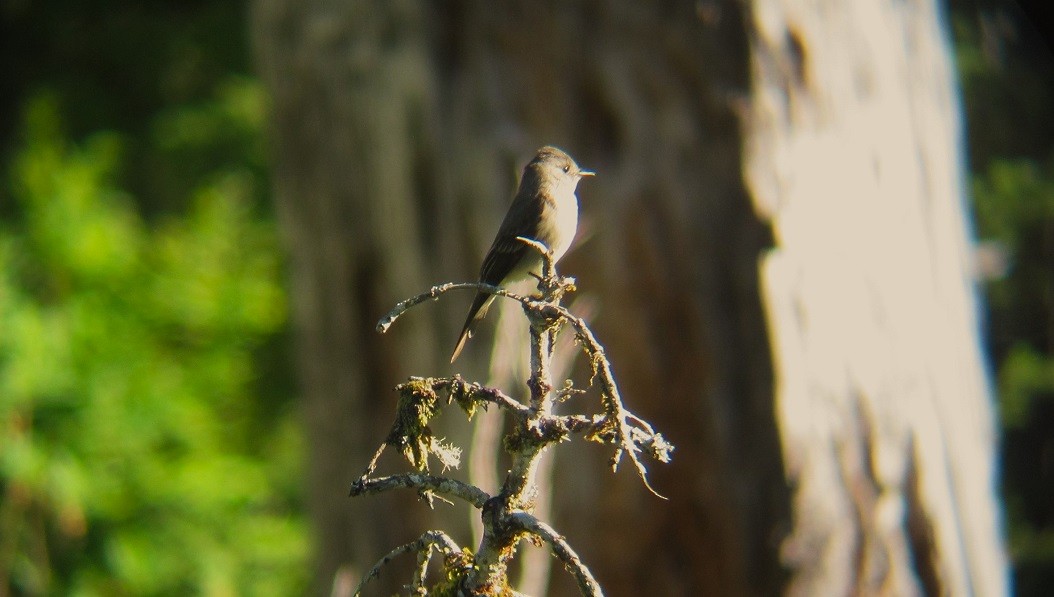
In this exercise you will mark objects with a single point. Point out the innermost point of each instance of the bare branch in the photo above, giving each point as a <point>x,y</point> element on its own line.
<point>561,549</point>
<point>535,429</point>
<point>550,284</point>
<point>610,396</point>
<point>537,246</point>
<point>417,584</point>
<point>423,545</point>
<point>422,483</point>
<point>435,292</point>
<point>372,466</point>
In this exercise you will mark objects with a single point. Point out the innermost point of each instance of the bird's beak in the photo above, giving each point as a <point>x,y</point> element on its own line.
<point>586,173</point>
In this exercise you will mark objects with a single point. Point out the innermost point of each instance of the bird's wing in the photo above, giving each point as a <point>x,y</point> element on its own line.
<point>522,220</point>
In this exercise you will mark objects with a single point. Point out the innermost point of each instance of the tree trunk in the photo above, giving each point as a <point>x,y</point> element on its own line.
<point>399,129</point>
<point>351,117</point>
<point>884,409</point>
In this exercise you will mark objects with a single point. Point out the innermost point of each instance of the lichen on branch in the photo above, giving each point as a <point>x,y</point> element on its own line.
<point>507,517</point>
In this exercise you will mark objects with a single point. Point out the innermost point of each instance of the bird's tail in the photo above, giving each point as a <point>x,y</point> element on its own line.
<point>475,313</point>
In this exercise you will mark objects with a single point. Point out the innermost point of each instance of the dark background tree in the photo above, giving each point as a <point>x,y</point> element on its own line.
<point>383,113</point>
<point>157,123</point>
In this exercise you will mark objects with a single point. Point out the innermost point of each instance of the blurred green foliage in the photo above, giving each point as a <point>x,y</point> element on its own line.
<point>133,456</point>
<point>1007,73</point>
<point>149,442</point>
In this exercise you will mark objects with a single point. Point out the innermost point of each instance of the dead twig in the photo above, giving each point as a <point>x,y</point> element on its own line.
<point>423,546</point>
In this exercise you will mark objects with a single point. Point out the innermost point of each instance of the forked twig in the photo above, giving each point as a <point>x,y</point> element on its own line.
<point>613,400</point>
<point>422,545</point>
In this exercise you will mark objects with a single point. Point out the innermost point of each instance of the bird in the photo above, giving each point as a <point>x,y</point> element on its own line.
<point>544,209</point>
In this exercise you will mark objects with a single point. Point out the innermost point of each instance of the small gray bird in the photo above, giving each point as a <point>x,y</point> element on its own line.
<point>544,209</point>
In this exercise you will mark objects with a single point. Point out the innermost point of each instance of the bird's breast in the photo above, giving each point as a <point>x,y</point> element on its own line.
<point>559,223</point>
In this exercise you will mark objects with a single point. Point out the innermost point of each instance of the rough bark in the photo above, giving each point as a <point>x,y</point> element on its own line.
<point>884,409</point>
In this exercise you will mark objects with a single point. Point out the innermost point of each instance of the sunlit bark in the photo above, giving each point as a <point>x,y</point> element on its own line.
<point>885,413</point>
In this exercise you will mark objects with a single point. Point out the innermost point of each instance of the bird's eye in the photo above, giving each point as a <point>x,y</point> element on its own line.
<point>567,168</point>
